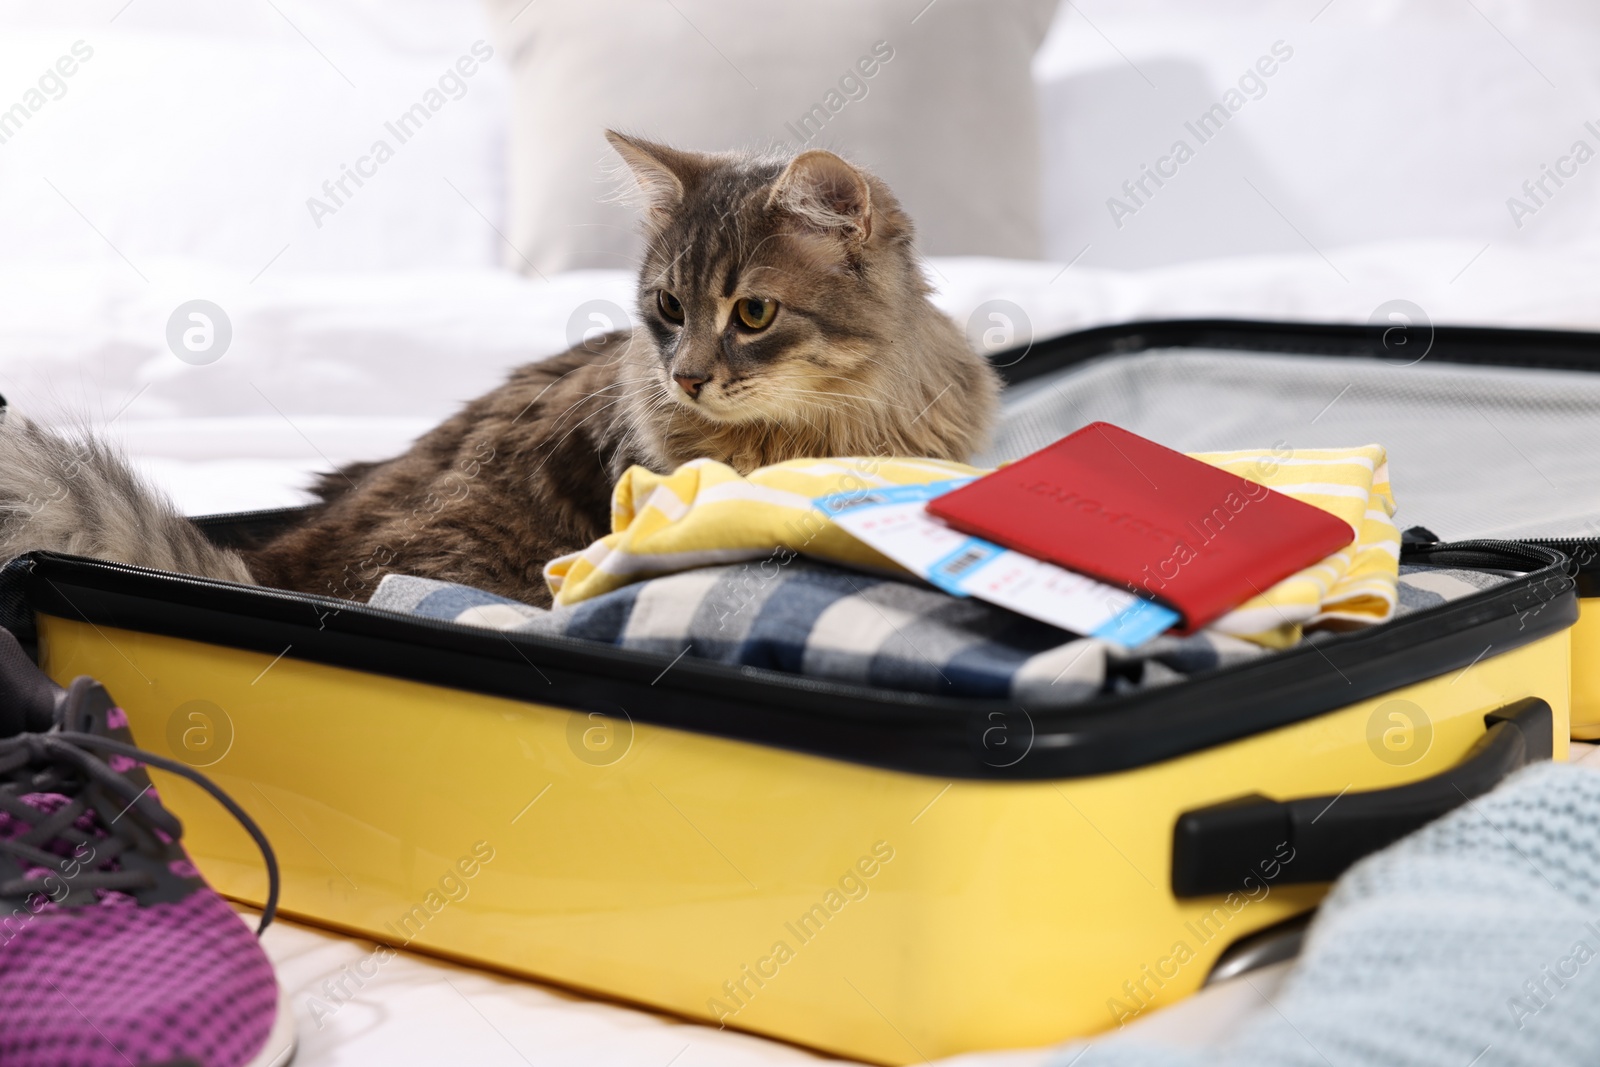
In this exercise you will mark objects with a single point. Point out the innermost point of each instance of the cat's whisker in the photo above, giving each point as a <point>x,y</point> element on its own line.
<point>878,400</point>
<point>593,395</point>
<point>540,395</point>
<point>861,414</point>
<point>845,394</point>
<point>551,449</point>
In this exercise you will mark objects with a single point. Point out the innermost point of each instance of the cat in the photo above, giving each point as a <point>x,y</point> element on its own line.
<point>782,314</point>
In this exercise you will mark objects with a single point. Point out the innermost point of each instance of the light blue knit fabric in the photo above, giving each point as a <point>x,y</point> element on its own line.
<point>1475,942</point>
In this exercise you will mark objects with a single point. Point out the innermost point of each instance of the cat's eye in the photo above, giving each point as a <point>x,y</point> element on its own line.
<point>756,312</point>
<point>670,306</point>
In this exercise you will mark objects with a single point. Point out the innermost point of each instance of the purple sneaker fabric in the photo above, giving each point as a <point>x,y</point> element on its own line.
<point>102,986</point>
<point>156,968</point>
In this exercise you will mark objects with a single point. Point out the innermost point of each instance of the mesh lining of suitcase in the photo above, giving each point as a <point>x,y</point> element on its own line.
<point>1475,451</point>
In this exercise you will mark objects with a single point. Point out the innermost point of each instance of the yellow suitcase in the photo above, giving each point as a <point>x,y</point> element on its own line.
<point>881,875</point>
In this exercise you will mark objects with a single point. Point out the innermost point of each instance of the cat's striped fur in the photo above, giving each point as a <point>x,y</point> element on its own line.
<point>856,361</point>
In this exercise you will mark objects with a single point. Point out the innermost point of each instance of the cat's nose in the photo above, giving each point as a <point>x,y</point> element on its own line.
<point>691,383</point>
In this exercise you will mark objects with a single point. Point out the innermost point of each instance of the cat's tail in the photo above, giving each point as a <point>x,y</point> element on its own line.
<point>79,495</point>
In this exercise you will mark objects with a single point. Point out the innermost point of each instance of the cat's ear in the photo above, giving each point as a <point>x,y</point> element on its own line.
<point>827,194</point>
<point>663,174</point>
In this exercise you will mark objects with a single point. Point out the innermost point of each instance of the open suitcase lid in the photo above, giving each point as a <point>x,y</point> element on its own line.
<point>1138,375</point>
<point>1492,433</point>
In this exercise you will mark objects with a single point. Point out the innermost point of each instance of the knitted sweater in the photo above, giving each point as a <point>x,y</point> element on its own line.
<point>1474,942</point>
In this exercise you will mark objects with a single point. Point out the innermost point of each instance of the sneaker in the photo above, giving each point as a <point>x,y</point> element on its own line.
<point>114,952</point>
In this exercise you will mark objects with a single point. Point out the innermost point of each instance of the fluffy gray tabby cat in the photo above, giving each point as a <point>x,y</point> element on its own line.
<point>783,315</point>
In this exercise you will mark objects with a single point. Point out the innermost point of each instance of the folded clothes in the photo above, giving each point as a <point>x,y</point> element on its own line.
<point>705,513</point>
<point>831,622</point>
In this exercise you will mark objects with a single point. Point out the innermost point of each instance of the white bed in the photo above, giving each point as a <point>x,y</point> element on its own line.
<point>176,163</point>
<point>328,368</point>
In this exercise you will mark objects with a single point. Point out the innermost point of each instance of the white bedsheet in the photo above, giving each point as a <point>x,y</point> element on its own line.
<point>422,1011</point>
<point>324,369</point>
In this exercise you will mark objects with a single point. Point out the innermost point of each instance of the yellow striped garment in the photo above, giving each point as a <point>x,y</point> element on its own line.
<point>705,514</point>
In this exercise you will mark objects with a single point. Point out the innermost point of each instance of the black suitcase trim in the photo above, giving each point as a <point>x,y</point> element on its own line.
<point>931,735</point>
<point>1483,345</point>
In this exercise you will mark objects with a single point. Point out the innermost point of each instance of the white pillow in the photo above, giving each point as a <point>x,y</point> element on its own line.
<point>1390,121</point>
<point>195,131</point>
<point>936,98</point>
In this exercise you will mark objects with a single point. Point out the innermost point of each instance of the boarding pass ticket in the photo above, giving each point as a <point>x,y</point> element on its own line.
<point>893,521</point>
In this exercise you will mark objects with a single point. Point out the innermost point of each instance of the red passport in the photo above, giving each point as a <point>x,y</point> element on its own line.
<point>1121,508</point>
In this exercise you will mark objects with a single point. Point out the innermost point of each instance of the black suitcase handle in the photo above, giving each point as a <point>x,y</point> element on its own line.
<point>1224,847</point>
